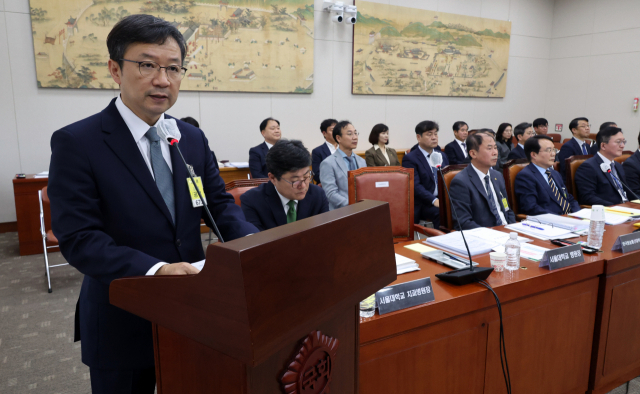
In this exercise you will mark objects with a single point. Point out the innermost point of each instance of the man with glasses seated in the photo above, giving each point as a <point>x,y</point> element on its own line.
<point>523,132</point>
<point>289,195</point>
<point>595,186</point>
<point>539,188</point>
<point>334,169</point>
<point>578,145</point>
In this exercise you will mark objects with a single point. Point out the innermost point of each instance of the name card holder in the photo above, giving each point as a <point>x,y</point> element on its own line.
<point>404,295</point>
<point>562,257</point>
<point>627,243</point>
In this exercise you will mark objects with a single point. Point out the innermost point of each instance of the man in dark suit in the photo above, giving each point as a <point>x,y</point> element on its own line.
<point>576,146</point>
<point>595,186</point>
<point>289,194</point>
<point>326,149</point>
<point>270,130</point>
<point>456,150</point>
<point>425,188</point>
<point>632,170</point>
<point>478,192</point>
<point>120,203</point>
<point>522,132</point>
<point>539,188</point>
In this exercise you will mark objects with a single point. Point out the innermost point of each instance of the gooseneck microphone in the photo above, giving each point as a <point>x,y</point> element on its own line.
<point>168,130</point>
<point>606,168</point>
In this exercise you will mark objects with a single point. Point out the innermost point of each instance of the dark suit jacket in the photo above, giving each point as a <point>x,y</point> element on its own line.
<point>516,153</point>
<point>454,152</point>
<point>258,161</point>
<point>375,158</point>
<point>471,202</point>
<point>594,186</point>
<point>534,194</point>
<point>112,222</point>
<point>263,208</point>
<point>568,149</point>
<point>317,155</point>
<point>423,182</point>
<point>632,171</point>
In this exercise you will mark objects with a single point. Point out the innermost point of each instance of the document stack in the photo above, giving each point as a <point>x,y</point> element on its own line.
<point>404,265</point>
<point>480,240</point>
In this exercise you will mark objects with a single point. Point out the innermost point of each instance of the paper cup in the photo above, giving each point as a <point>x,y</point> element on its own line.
<point>597,212</point>
<point>498,261</point>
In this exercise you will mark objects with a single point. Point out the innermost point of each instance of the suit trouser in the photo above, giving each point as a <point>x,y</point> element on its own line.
<point>123,381</point>
<point>431,214</point>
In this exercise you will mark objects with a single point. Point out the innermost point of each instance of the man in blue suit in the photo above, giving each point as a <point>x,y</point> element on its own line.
<point>325,150</point>
<point>632,170</point>
<point>456,150</point>
<point>539,188</point>
<point>595,184</point>
<point>576,146</point>
<point>522,132</point>
<point>270,130</point>
<point>426,205</point>
<point>120,204</point>
<point>478,192</point>
<point>289,194</point>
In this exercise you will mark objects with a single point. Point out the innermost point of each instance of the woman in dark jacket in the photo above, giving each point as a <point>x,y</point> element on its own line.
<point>380,155</point>
<point>503,140</point>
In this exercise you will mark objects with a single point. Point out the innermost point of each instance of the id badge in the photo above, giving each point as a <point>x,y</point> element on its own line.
<point>195,199</point>
<point>505,204</point>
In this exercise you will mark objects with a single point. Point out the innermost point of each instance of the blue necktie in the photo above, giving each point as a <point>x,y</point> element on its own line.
<point>352,163</point>
<point>618,184</point>
<point>492,203</point>
<point>161,171</point>
<point>464,149</point>
<point>584,148</point>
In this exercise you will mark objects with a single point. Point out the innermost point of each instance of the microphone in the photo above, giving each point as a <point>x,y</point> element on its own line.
<point>460,276</point>
<point>168,131</point>
<point>606,168</point>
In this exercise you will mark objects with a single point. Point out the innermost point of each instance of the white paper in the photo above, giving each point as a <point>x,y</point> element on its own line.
<point>45,173</point>
<point>454,242</point>
<point>382,184</point>
<point>609,218</point>
<point>632,211</point>
<point>560,221</point>
<point>493,236</point>
<point>238,164</point>
<point>540,231</point>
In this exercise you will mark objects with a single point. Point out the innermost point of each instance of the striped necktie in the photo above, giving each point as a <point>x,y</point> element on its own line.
<point>559,197</point>
<point>584,148</point>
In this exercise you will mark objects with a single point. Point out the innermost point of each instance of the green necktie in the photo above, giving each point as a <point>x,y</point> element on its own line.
<point>291,213</point>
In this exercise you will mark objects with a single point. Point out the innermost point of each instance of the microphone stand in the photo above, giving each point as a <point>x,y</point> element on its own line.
<point>620,180</point>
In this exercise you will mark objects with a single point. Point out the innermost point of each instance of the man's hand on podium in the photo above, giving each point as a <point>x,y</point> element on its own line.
<point>177,269</point>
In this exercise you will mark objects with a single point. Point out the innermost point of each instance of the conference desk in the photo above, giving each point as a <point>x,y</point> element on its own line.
<point>571,330</point>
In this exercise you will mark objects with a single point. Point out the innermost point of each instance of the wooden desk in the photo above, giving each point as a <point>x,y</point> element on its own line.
<point>451,345</point>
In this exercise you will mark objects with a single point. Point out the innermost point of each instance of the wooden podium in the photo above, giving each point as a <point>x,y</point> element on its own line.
<point>275,312</point>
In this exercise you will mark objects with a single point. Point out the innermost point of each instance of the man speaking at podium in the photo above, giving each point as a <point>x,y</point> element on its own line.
<point>120,203</point>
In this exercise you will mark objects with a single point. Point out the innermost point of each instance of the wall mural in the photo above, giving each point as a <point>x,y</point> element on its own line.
<point>408,51</point>
<point>233,45</point>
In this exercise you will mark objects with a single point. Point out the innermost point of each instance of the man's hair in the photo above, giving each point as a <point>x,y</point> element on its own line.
<point>605,135</point>
<point>605,125</point>
<point>501,129</point>
<point>532,145</point>
<point>574,123</point>
<point>264,123</point>
<point>287,156</point>
<point>488,131</point>
<point>141,28</point>
<point>337,130</point>
<point>519,129</point>
<point>459,124</point>
<point>426,125</point>
<point>191,121</point>
<point>474,141</point>
<point>375,133</point>
<point>540,122</point>
<point>324,126</point>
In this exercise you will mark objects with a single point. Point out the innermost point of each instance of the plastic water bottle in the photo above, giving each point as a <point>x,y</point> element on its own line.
<point>512,249</point>
<point>596,227</point>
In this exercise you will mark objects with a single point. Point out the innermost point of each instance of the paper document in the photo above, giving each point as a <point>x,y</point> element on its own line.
<point>527,251</point>
<point>454,242</point>
<point>238,164</point>
<point>619,209</point>
<point>405,264</point>
<point>609,218</point>
<point>538,230</point>
<point>493,236</point>
<point>420,248</point>
<point>560,221</point>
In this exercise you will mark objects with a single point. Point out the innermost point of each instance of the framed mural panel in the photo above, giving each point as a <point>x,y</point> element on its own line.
<point>413,52</point>
<point>233,45</point>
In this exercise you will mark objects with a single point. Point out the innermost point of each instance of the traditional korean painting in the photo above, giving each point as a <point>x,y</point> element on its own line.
<point>233,45</point>
<point>408,51</point>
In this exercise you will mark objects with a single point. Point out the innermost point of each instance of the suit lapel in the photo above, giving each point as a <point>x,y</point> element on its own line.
<point>608,176</point>
<point>477,182</point>
<point>326,150</point>
<point>180,175</point>
<point>459,151</point>
<point>424,162</point>
<point>381,156</point>
<point>498,190</point>
<point>275,204</point>
<point>338,157</point>
<point>545,185</point>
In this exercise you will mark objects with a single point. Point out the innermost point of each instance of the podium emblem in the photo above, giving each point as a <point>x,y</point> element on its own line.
<point>310,371</point>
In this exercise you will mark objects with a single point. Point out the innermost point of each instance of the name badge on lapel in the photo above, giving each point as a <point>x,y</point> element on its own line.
<point>195,198</point>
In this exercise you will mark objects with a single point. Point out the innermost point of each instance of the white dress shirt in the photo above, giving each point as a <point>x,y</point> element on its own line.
<point>580,143</point>
<point>493,191</point>
<point>464,149</point>
<point>332,148</point>
<point>268,144</point>
<point>427,156</point>
<point>285,202</point>
<point>384,152</point>
<point>610,163</point>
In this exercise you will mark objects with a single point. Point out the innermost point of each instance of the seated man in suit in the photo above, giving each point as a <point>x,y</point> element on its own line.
<point>595,186</point>
<point>456,150</point>
<point>425,185</point>
<point>270,130</point>
<point>289,195</point>
<point>478,192</point>
<point>541,126</point>
<point>577,146</point>
<point>326,149</point>
<point>522,132</point>
<point>539,188</point>
<point>334,169</point>
<point>632,170</point>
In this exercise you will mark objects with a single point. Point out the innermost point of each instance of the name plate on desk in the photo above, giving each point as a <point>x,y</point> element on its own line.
<point>562,257</point>
<point>404,295</point>
<point>627,243</point>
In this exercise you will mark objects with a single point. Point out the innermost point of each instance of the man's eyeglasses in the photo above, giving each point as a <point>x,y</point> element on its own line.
<point>620,142</point>
<point>551,150</point>
<point>585,126</point>
<point>352,134</point>
<point>305,180</point>
<point>149,69</point>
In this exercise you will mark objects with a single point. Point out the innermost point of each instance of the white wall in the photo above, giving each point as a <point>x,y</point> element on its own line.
<point>594,64</point>
<point>30,115</point>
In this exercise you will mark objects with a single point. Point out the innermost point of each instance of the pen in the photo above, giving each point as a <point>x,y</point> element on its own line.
<point>528,225</point>
<point>454,257</point>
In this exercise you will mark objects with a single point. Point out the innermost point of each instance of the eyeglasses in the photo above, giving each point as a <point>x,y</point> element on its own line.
<point>530,133</point>
<point>149,69</point>
<point>551,150</point>
<point>620,142</point>
<point>585,126</point>
<point>298,184</point>
<point>352,134</point>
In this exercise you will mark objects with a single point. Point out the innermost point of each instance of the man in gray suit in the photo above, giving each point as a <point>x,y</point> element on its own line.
<point>333,169</point>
